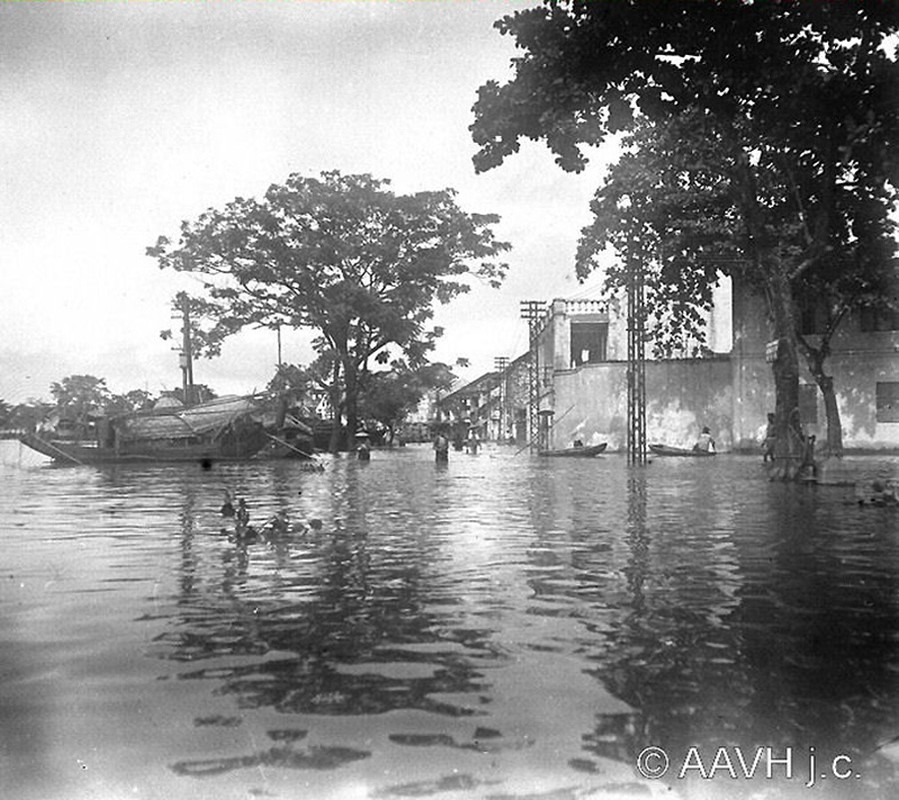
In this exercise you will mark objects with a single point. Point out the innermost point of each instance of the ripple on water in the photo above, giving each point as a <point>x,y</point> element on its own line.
<point>497,627</point>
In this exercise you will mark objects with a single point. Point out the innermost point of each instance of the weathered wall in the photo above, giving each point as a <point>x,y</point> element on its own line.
<point>681,396</point>
<point>860,360</point>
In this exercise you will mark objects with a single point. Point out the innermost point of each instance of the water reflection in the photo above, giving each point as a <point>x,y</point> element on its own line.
<point>496,626</point>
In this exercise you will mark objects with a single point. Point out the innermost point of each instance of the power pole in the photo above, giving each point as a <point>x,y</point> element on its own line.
<point>187,358</point>
<point>636,364</point>
<point>532,310</point>
<point>501,364</point>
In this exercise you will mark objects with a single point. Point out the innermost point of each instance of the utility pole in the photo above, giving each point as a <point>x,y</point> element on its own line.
<point>501,364</point>
<point>532,310</point>
<point>187,359</point>
<point>636,364</point>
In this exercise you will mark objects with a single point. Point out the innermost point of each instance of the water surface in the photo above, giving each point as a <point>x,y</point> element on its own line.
<point>500,627</point>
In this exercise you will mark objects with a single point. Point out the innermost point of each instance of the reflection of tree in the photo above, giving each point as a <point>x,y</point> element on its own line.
<point>651,604</point>
<point>819,630</point>
<point>326,617</point>
<point>765,622</point>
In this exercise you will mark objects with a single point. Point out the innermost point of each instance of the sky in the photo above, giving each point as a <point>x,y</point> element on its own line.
<point>118,120</point>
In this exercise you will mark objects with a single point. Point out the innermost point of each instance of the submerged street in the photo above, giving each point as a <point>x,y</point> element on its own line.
<point>502,626</point>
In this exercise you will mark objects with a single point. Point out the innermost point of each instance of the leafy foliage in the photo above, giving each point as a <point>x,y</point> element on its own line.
<point>207,329</point>
<point>79,395</point>
<point>762,142</point>
<point>342,255</point>
<point>389,396</point>
<point>6,411</point>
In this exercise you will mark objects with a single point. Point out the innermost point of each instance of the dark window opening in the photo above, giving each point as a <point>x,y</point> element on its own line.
<point>887,401</point>
<point>588,342</point>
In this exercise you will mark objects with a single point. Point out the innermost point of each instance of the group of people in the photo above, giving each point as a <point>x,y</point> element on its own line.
<point>470,444</point>
<point>279,524</point>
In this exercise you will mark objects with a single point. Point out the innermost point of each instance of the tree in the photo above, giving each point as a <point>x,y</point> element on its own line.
<point>27,415</point>
<point>77,396</point>
<point>389,396</point>
<point>801,95</point>
<point>6,411</point>
<point>207,326</point>
<point>669,205</point>
<point>342,255</point>
<point>133,400</point>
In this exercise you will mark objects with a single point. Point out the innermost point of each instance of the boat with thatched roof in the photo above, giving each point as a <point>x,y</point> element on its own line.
<point>228,428</point>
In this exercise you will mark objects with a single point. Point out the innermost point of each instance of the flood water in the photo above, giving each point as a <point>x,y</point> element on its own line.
<point>503,626</point>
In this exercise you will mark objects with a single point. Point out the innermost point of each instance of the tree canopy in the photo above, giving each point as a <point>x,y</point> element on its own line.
<point>80,395</point>
<point>343,255</point>
<point>670,203</point>
<point>781,119</point>
<point>389,396</point>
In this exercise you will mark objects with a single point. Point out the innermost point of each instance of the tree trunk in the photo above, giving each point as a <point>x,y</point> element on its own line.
<point>352,386</point>
<point>832,413</point>
<point>815,360</point>
<point>336,410</point>
<point>789,448</point>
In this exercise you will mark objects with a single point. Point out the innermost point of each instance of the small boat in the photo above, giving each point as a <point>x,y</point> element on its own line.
<point>665,450</point>
<point>226,429</point>
<point>578,452</point>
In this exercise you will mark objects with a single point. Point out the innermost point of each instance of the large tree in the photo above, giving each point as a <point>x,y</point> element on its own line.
<point>800,93</point>
<point>669,204</point>
<point>343,255</point>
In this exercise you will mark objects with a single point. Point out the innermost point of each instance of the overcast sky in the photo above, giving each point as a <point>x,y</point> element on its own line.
<point>119,120</point>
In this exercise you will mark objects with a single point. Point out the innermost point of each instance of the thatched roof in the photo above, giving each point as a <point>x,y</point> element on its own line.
<point>174,423</point>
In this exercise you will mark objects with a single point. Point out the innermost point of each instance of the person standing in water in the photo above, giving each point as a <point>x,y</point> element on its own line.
<point>441,447</point>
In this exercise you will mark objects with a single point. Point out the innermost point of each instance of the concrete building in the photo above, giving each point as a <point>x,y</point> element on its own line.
<point>583,379</point>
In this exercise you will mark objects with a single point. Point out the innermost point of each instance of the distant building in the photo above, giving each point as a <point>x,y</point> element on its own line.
<point>475,406</point>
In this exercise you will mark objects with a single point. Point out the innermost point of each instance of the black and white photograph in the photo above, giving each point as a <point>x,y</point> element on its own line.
<point>490,399</point>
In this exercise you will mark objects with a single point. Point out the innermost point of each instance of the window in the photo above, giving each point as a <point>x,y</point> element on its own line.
<point>588,342</point>
<point>887,401</point>
<point>808,404</point>
<point>879,319</point>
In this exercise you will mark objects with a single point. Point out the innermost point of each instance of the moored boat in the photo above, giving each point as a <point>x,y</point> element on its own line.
<point>666,450</point>
<point>581,452</point>
<point>228,428</point>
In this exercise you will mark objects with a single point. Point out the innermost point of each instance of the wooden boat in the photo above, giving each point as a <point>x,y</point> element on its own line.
<point>229,428</point>
<point>578,452</point>
<point>665,450</point>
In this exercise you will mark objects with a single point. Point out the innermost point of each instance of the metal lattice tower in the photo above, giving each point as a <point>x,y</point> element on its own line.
<point>501,364</point>
<point>636,364</point>
<point>531,310</point>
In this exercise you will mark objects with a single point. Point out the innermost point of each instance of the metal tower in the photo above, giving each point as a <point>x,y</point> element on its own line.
<point>501,364</point>
<point>636,364</point>
<point>531,310</point>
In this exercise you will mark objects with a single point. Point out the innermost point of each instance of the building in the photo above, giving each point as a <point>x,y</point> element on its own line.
<point>864,364</point>
<point>582,379</point>
<point>475,406</point>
